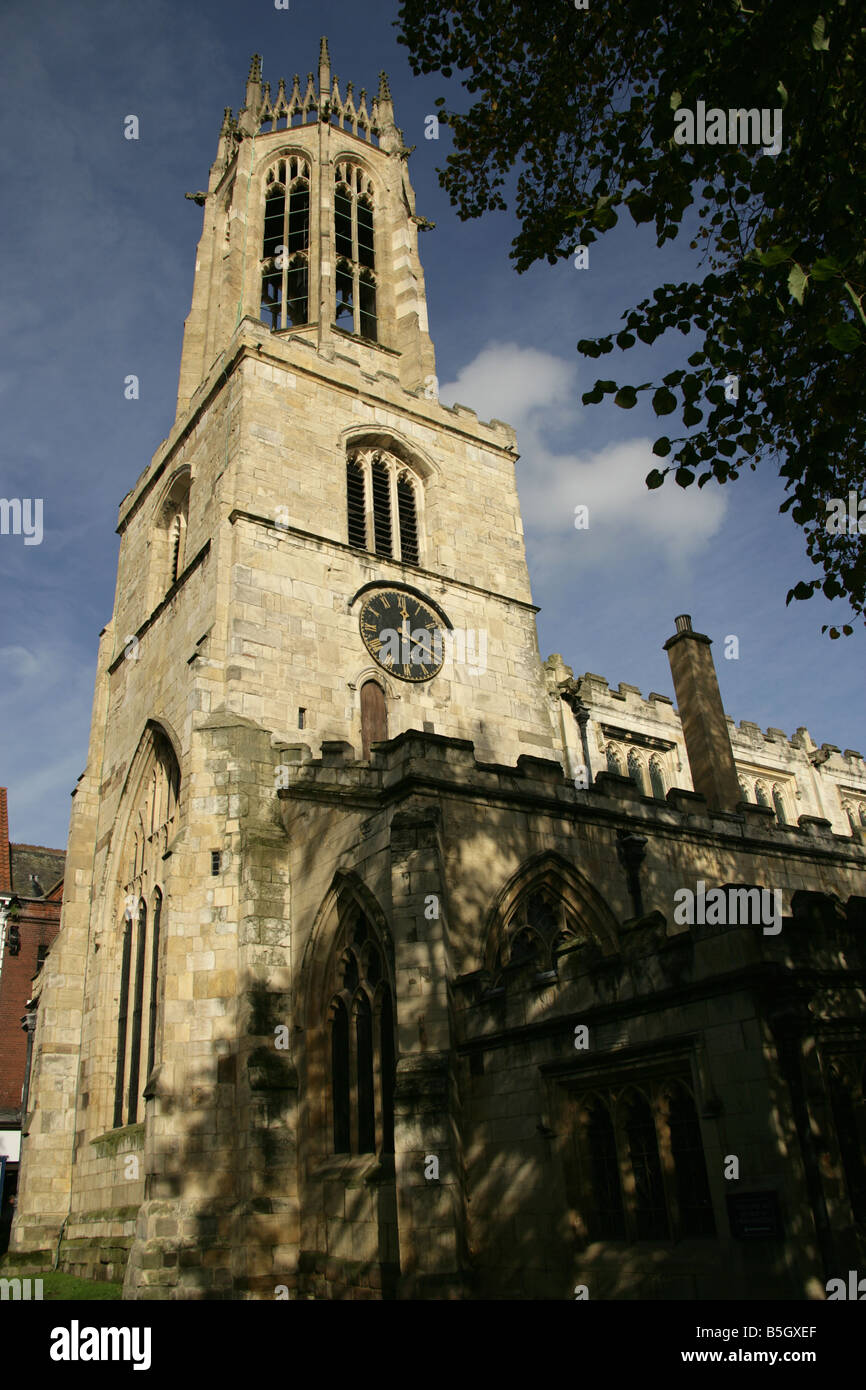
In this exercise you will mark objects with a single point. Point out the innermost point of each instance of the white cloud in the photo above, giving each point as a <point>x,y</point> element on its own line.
<point>538,393</point>
<point>512,383</point>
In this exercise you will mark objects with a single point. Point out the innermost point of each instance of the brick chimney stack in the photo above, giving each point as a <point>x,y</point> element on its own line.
<point>702,715</point>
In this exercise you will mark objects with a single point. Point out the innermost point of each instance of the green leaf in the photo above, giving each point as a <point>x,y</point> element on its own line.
<point>625,340</point>
<point>662,447</point>
<point>797,281</point>
<point>676,100</point>
<point>654,479</point>
<point>826,268</point>
<point>818,40</point>
<point>664,401</point>
<point>684,476</point>
<point>641,206</point>
<point>843,336</point>
<point>776,254</point>
<point>626,397</point>
<point>604,218</point>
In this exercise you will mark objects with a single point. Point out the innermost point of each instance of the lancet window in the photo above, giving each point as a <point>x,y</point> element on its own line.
<point>362,1043</point>
<point>355,251</point>
<point>151,827</point>
<point>286,244</point>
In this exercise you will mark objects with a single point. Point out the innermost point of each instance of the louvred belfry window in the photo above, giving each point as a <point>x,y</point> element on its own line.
<point>355,248</point>
<point>286,244</point>
<point>408,519</point>
<point>383,499</point>
<point>381,507</point>
<point>355,505</point>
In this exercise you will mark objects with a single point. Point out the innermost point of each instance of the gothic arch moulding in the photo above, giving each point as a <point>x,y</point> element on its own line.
<point>290,150</point>
<point>347,894</point>
<point>558,887</point>
<point>158,747</point>
<point>391,441</point>
<point>347,1012</point>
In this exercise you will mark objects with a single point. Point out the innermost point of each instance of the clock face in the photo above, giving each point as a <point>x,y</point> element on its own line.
<point>403,635</point>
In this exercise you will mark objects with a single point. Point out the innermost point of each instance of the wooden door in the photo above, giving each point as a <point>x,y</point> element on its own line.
<point>374,716</point>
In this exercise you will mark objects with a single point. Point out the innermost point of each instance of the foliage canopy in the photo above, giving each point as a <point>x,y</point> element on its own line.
<point>580,104</point>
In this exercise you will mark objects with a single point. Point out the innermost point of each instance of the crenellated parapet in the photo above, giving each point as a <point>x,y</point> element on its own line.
<point>618,731</point>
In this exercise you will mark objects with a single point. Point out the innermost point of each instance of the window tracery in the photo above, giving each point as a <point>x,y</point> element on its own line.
<point>538,928</point>
<point>362,1045</point>
<point>644,1175</point>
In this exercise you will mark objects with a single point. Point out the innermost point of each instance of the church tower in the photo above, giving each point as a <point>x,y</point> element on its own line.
<point>244,1029</point>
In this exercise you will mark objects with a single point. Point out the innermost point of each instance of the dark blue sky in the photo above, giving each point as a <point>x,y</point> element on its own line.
<point>98,250</point>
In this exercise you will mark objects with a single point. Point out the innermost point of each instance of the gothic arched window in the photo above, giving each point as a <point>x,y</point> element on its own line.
<point>354,245</point>
<point>137,1001</point>
<point>649,1200</point>
<point>362,1044</point>
<point>614,761</point>
<point>643,1172</point>
<point>286,244</point>
<point>150,826</point>
<point>779,804</point>
<point>657,779</point>
<point>536,930</point>
<point>383,505</point>
<point>606,1219</point>
<point>694,1202</point>
<point>170,541</point>
<point>761,794</point>
<point>637,772</point>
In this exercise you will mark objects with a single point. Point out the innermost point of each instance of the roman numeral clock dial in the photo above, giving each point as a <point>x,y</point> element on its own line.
<point>403,634</point>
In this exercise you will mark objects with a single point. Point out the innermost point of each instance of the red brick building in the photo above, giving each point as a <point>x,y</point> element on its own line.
<point>31,894</point>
